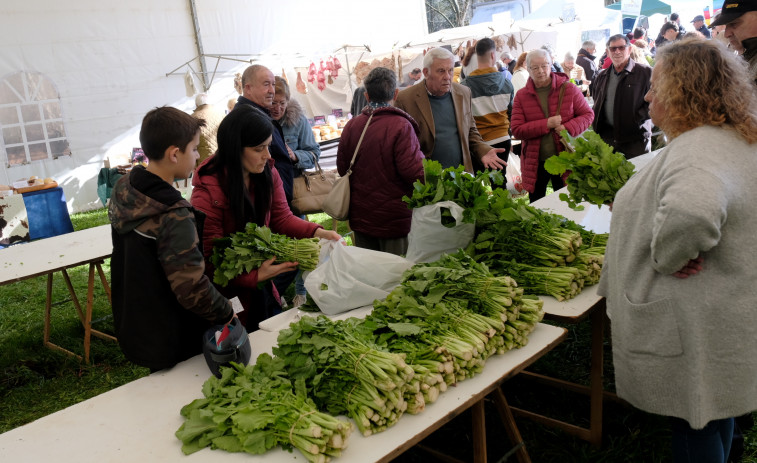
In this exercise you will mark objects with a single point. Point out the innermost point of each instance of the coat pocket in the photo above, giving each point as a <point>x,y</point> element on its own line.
<point>650,328</point>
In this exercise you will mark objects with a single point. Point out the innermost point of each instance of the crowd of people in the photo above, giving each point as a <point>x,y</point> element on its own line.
<point>682,311</point>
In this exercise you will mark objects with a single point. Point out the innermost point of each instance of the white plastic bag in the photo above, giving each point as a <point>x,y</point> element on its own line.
<point>512,174</point>
<point>349,277</point>
<point>429,239</point>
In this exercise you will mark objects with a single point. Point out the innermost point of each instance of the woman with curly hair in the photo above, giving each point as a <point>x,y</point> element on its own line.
<point>679,269</point>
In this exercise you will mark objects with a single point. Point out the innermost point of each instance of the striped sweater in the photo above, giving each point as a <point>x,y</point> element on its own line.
<point>491,96</point>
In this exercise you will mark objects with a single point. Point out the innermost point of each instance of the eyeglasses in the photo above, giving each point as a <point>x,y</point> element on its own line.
<point>280,104</point>
<point>536,68</point>
<point>617,49</point>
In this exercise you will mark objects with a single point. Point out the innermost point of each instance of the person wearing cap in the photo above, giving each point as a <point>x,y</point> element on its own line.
<point>699,26</point>
<point>740,21</point>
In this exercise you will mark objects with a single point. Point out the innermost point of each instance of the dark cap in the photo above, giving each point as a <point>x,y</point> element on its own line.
<point>732,10</point>
<point>698,17</point>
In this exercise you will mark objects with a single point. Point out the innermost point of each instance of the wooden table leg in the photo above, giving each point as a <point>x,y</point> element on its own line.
<point>71,291</point>
<point>48,307</point>
<point>88,317</point>
<point>510,426</point>
<point>479,432</point>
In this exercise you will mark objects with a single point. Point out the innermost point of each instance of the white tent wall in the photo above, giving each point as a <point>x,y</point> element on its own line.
<point>108,61</point>
<point>108,64</point>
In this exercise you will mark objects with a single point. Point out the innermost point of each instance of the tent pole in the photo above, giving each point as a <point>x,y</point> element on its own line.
<point>198,42</point>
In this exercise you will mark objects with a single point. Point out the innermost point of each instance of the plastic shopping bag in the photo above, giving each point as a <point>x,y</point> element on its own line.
<point>512,174</point>
<point>349,277</point>
<point>429,238</point>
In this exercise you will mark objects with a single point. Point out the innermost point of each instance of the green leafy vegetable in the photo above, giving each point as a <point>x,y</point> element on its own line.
<point>453,184</point>
<point>596,171</point>
<point>244,251</point>
<point>256,408</point>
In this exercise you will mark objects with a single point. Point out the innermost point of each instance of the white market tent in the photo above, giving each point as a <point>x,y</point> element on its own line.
<point>76,78</point>
<point>571,22</point>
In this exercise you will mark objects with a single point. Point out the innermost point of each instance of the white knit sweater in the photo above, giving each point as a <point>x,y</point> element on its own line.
<point>687,347</point>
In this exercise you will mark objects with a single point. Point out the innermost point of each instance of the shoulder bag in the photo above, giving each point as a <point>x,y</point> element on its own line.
<point>337,203</point>
<point>311,188</point>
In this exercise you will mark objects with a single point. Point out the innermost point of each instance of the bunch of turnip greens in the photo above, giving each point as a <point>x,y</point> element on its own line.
<point>596,172</point>
<point>453,184</point>
<point>346,374</point>
<point>459,311</point>
<point>255,408</point>
<point>244,251</point>
<point>509,230</point>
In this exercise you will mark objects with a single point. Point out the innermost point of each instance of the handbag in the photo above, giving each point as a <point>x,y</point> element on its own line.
<point>311,188</point>
<point>337,203</point>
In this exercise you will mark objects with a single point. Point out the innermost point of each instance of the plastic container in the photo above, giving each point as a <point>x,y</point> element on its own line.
<point>47,213</point>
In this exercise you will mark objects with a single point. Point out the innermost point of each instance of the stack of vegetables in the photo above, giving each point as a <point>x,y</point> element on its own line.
<point>245,251</point>
<point>346,374</point>
<point>456,185</point>
<point>458,314</point>
<point>436,328</point>
<point>255,408</point>
<point>596,171</point>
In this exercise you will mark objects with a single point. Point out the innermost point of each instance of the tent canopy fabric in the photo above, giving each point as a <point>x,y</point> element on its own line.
<point>648,7</point>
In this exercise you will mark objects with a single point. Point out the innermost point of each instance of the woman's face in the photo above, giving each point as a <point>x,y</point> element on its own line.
<point>657,110</point>
<point>279,106</point>
<point>254,158</point>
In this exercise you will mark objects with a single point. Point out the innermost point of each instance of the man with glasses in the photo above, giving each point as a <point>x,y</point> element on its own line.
<point>258,91</point>
<point>621,116</point>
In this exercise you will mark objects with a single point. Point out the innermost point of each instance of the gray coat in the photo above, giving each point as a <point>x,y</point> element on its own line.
<point>686,347</point>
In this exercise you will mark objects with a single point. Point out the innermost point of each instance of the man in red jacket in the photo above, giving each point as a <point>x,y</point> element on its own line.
<point>548,104</point>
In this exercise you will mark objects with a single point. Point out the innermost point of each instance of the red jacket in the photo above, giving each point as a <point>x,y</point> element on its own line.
<point>208,197</point>
<point>529,124</point>
<point>388,162</point>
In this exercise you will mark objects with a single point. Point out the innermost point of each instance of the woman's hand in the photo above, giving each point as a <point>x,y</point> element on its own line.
<point>327,234</point>
<point>692,267</point>
<point>269,270</point>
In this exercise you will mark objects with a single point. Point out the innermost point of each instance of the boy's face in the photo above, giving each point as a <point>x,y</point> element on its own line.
<point>187,159</point>
<point>254,158</point>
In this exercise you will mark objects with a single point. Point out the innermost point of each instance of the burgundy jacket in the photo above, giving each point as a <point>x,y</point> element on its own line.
<point>388,162</point>
<point>529,124</point>
<point>208,196</point>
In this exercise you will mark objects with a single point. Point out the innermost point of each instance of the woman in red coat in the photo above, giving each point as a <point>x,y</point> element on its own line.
<point>237,185</point>
<point>536,122</point>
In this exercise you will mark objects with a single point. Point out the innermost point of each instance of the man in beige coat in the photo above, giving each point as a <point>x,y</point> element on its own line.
<point>442,109</point>
<point>208,143</point>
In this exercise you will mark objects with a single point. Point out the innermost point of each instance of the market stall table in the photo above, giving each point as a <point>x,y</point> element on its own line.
<point>137,421</point>
<point>587,304</point>
<point>58,254</point>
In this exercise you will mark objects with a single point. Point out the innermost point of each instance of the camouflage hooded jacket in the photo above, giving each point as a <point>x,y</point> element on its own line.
<point>162,300</point>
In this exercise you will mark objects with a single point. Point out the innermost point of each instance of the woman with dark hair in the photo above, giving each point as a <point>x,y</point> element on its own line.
<point>238,185</point>
<point>678,273</point>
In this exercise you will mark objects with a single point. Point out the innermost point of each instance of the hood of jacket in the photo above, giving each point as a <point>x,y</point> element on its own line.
<point>488,81</point>
<point>292,114</point>
<point>390,110</point>
<point>140,195</point>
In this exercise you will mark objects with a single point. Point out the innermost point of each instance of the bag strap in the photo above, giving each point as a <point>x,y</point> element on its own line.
<point>560,97</point>
<point>349,170</point>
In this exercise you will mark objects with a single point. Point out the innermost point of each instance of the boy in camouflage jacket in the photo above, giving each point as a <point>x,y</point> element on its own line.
<point>162,300</point>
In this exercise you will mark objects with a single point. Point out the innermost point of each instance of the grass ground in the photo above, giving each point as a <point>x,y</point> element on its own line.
<point>36,381</point>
